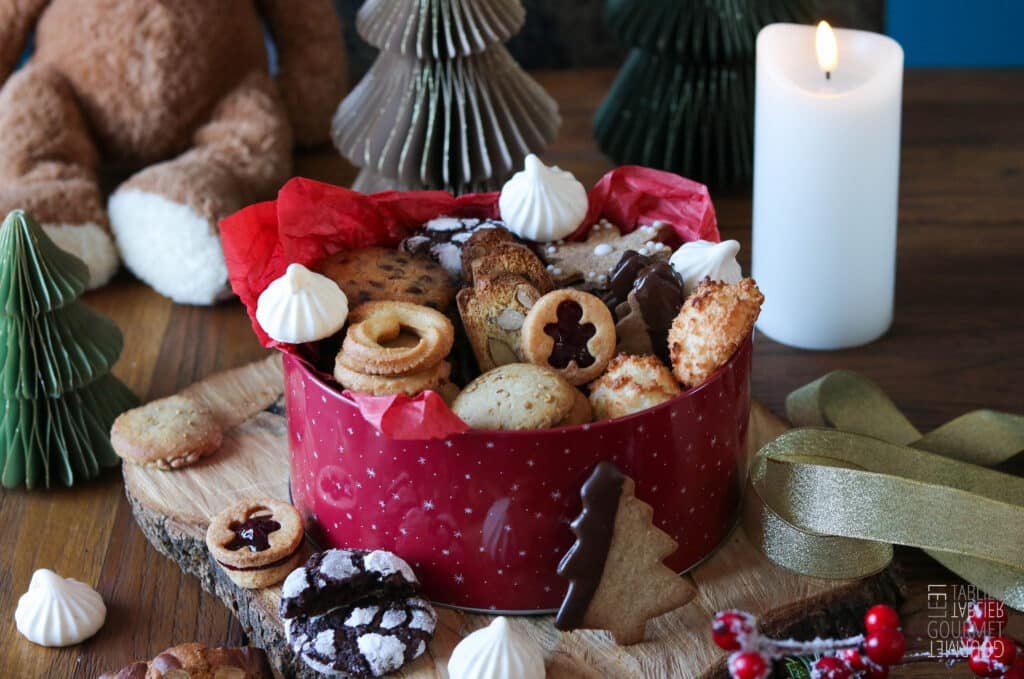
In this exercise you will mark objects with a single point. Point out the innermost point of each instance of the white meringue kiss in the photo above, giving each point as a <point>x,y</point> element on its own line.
<point>301,306</point>
<point>698,259</point>
<point>542,203</point>
<point>58,611</point>
<point>496,652</point>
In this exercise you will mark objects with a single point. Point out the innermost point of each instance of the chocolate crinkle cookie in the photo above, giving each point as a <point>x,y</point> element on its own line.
<point>356,613</point>
<point>367,640</point>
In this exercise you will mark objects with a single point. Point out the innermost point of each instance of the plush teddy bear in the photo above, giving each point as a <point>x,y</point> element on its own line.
<point>177,91</point>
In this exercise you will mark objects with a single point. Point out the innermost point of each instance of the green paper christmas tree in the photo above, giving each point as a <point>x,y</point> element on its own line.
<point>59,399</point>
<point>684,99</point>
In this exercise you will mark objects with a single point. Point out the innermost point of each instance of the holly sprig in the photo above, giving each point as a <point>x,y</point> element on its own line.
<point>982,646</point>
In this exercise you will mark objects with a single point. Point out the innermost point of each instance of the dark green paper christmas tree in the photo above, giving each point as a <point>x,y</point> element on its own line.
<point>684,99</point>
<point>59,398</point>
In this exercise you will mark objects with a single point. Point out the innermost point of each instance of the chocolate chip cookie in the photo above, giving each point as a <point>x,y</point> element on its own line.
<point>368,274</point>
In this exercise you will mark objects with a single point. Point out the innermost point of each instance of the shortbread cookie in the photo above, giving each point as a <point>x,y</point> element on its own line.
<point>168,433</point>
<point>589,263</point>
<point>631,384</point>
<point>571,332</point>
<point>409,384</point>
<point>197,661</point>
<point>516,396</point>
<point>443,239</point>
<point>370,342</point>
<point>369,274</point>
<point>617,580</point>
<point>712,324</point>
<point>256,542</point>
<point>369,639</point>
<point>581,412</point>
<point>510,258</point>
<point>492,313</point>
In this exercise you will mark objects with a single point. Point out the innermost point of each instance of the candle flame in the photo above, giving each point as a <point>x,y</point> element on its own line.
<point>825,43</point>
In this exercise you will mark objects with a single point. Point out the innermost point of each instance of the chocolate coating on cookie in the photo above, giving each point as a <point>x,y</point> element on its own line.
<point>583,564</point>
<point>659,292</point>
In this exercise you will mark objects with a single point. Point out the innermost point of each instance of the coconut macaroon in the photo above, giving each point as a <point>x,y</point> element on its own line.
<point>712,324</point>
<point>631,384</point>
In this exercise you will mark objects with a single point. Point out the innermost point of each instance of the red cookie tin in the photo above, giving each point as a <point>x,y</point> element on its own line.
<point>483,517</point>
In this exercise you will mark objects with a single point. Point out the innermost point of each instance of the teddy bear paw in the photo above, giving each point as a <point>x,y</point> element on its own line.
<point>92,244</point>
<point>169,246</point>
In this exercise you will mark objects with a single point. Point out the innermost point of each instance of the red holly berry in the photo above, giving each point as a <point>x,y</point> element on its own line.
<point>885,646</point>
<point>992,657</point>
<point>734,630</point>
<point>854,658</point>
<point>748,665</point>
<point>830,667</point>
<point>987,617</point>
<point>881,617</point>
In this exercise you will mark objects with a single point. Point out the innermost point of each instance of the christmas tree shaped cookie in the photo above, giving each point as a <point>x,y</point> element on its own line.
<point>617,580</point>
<point>59,399</point>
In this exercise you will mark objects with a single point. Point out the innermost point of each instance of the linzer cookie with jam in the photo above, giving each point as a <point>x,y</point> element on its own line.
<point>256,542</point>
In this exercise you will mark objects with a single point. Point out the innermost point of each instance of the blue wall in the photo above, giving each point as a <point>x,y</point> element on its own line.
<point>958,32</point>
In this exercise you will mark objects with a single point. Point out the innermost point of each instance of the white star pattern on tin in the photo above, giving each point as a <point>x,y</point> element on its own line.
<point>403,531</point>
<point>468,510</point>
<point>469,476</point>
<point>489,444</point>
<point>459,579</point>
<point>449,443</point>
<point>394,496</point>
<point>422,460</point>
<point>514,487</point>
<point>522,552</point>
<point>446,552</point>
<point>350,431</point>
<point>428,505</point>
<point>555,495</point>
<point>457,534</point>
<point>530,463</point>
<point>381,503</point>
<point>369,472</point>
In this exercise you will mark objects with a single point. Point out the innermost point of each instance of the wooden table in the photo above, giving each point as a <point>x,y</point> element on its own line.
<point>957,344</point>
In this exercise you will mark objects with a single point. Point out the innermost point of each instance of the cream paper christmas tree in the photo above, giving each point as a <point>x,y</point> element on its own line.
<point>444,106</point>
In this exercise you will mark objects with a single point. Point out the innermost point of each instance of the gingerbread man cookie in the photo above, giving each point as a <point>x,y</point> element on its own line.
<point>571,332</point>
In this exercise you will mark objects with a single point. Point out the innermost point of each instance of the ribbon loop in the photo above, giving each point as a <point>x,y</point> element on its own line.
<point>831,502</point>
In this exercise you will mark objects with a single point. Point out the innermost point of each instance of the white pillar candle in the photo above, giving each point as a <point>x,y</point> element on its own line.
<point>826,184</point>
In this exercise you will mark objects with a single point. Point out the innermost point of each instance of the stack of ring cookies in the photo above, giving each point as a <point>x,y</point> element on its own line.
<point>395,348</point>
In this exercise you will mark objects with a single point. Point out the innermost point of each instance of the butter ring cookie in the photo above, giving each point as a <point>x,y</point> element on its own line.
<point>372,344</point>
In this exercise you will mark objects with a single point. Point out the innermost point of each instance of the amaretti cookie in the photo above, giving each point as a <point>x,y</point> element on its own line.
<point>631,384</point>
<point>516,396</point>
<point>256,542</point>
<point>712,324</point>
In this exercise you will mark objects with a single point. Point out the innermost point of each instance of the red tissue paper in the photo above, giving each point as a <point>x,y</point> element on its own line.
<point>311,220</point>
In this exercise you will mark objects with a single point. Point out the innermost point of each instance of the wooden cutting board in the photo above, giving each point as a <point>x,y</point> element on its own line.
<point>173,509</point>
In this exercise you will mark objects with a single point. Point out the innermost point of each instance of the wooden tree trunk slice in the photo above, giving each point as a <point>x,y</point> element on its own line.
<point>174,508</point>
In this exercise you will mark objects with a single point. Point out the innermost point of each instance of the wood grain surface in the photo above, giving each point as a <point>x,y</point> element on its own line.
<point>173,509</point>
<point>957,344</point>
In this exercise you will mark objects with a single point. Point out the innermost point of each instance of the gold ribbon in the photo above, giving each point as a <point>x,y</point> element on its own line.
<point>830,503</point>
